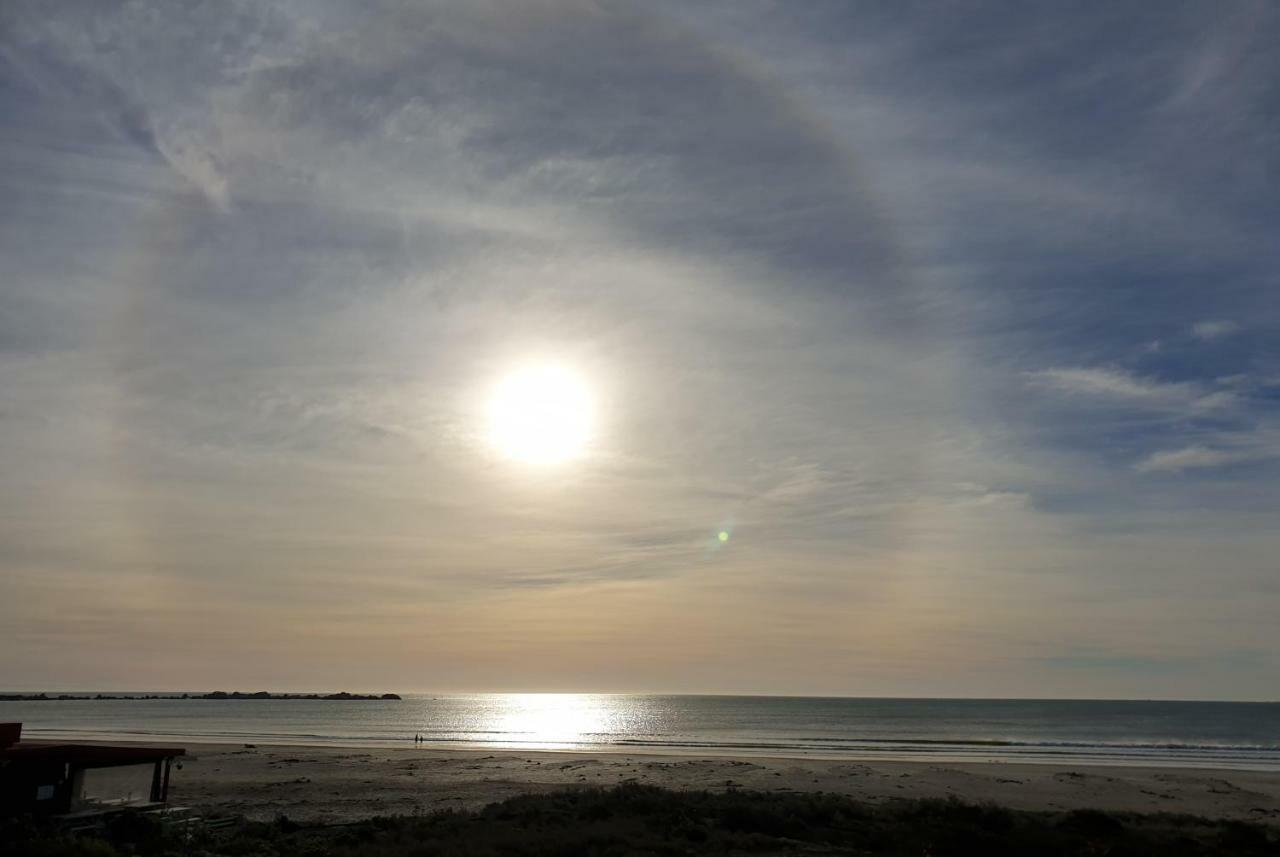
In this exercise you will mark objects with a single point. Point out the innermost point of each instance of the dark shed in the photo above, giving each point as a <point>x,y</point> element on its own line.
<point>50,779</point>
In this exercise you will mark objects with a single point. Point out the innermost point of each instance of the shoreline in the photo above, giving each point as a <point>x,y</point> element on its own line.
<point>332,784</point>
<point>933,755</point>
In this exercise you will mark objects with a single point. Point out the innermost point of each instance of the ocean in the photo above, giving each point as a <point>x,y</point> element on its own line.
<point>1237,735</point>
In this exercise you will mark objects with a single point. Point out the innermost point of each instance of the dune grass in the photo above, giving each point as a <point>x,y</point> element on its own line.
<point>634,819</point>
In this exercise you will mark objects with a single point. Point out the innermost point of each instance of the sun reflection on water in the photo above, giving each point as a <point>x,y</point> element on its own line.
<point>553,721</point>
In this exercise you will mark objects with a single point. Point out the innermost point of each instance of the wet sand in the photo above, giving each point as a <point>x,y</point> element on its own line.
<point>340,784</point>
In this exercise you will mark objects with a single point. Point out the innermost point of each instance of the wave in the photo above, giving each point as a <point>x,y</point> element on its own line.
<point>602,739</point>
<point>989,742</point>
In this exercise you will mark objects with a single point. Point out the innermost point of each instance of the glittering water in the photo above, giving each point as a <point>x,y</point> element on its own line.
<point>1215,734</point>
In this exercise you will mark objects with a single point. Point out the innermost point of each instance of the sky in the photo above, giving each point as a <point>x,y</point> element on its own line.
<point>959,320</point>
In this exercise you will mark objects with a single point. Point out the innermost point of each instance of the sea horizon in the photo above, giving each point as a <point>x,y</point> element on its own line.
<point>52,693</point>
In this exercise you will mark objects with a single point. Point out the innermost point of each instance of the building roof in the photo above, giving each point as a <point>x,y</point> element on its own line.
<point>89,755</point>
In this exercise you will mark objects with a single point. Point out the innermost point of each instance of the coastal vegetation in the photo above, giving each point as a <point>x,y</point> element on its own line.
<point>634,819</point>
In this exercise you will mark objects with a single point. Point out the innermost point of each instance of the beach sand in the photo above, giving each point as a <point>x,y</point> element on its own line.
<point>326,784</point>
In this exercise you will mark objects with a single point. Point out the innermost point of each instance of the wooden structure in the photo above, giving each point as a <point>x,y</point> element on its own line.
<point>50,779</point>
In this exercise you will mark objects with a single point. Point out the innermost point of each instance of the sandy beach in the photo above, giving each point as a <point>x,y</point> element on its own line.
<point>339,784</point>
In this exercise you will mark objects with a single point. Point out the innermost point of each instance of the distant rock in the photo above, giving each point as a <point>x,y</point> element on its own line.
<point>262,694</point>
<point>217,694</point>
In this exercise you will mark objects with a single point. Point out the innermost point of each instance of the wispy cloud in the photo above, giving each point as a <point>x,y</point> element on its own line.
<point>1224,448</point>
<point>1190,458</point>
<point>1209,330</point>
<point>1123,387</point>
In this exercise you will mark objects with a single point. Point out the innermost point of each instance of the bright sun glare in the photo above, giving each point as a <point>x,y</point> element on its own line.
<point>541,415</point>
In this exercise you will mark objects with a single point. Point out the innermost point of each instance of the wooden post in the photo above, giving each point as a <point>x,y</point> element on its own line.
<point>164,789</point>
<point>155,783</point>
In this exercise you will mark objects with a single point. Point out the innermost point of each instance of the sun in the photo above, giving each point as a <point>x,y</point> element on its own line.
<point>541,415</point>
